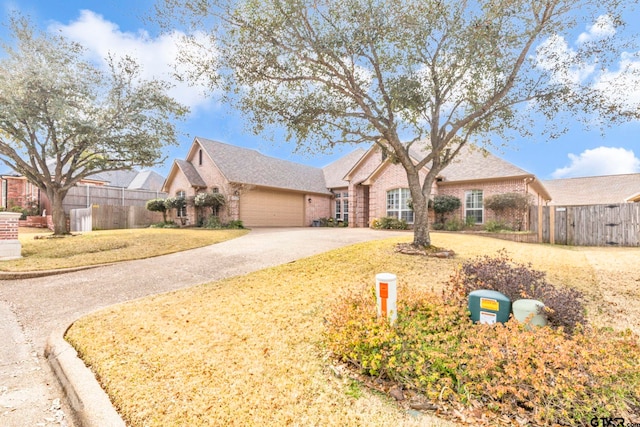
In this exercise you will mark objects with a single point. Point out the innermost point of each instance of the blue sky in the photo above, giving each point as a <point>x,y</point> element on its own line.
<point>116,25</point>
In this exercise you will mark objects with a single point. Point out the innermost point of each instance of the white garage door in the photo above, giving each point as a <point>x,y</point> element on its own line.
<point>265,208</point>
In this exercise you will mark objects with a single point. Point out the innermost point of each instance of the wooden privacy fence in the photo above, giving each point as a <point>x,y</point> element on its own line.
<point>107,217</point>
<point>84,196</point>
<point>593,225</point>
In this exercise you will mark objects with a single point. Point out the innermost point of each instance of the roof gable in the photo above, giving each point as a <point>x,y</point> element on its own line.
<point>474,164</point>
<point>147,180</point>
<point>335,173</point>
<point>190,173</point>
<point>248,166</point>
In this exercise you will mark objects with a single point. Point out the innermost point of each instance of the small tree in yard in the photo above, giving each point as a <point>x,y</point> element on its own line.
<point>443,204</point>
<point>419,78</point>
<point>210,200</point>
<point>511,207</point>
<point>63,119</point>
<point>177,203</point>
<point>158,205</point>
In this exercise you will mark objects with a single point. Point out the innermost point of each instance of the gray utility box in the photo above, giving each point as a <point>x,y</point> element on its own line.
<point>487,306</point>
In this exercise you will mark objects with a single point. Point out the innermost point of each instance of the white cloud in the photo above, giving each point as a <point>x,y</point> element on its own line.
<point>556,57</point>
<point>600,161</point>
<point>156,56</point>
<point>622,86</point>
<point>603,27</point>
<point>619,85</point>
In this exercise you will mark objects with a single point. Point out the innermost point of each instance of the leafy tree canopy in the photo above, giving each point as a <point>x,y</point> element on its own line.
<point>63,119</point>
<point>421,78</point>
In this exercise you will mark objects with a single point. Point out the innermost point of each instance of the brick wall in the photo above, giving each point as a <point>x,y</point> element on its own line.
<point>490,188</point>
<point>9,225</point>
<point>359,197</point>
<point>19,192</point>
<point>319,207</point>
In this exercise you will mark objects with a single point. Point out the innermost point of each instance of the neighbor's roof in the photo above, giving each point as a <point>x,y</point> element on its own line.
<point>594,190</point>
<point>147,180</point>
<point>247,166</point>
<point>335,172</point>
<point>121,178</point>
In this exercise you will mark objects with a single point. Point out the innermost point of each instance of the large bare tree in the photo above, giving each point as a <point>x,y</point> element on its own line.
<point>422,78</point>
<point>63,119</point>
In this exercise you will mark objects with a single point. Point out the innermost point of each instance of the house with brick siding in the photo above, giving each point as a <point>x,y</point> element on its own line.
<point>357,188</point>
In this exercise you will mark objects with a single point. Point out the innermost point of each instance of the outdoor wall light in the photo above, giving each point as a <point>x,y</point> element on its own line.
<point>309,199</point>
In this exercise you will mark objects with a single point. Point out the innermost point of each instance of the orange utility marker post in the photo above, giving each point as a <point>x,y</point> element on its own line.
<point>387,296</point>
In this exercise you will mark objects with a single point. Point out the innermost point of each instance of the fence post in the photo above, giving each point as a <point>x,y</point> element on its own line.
<point>552,225</point>
<point>540,234</point>
<point>10,247</point>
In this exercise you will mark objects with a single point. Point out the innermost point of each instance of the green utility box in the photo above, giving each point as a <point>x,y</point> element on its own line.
<point>488,306</point>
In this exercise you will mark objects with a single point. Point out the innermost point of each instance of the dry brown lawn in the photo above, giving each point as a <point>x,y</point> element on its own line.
<point>107,246</point>
<point>248,350</point>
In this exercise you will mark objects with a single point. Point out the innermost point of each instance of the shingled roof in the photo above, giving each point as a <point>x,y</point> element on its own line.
<point>335,172</point>
<point>147,180</point>
<point>248,166</point>
<point>594,190</point>
<point>191,173</point>
<point>474,164</point>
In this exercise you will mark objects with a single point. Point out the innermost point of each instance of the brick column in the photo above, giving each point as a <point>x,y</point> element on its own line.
<point>10,246</point>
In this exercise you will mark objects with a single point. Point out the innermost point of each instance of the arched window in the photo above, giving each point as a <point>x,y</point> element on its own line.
<point>398,204</point>
<point>200,157</point>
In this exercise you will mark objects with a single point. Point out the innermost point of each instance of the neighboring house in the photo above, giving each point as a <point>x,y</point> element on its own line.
<point>361,186</point>
<point>16,190</point>
<point>609,189</point>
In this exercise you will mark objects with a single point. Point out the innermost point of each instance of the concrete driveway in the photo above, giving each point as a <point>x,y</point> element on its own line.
<point>31,309</point>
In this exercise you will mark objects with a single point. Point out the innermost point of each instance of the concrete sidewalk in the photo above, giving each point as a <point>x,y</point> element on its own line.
<point>35,312</point>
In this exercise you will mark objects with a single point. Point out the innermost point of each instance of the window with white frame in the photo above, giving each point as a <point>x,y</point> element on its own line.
<point>182,212</point>
<point>345,207</point>
<point>473,206</point>
<point>398,204</point>
<point>342,206</point>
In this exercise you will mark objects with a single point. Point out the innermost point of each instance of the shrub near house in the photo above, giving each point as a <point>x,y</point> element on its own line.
<point>510,209</point>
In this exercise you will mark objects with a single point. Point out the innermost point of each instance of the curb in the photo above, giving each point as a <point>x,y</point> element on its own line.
<point>18,275</point>
<point>89,402</point>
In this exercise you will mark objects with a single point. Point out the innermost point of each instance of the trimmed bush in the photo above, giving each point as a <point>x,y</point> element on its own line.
<point>563,306</point>
<point>495,226</point>
<point>389,223</point>
<point>454,224</point>
<point>158,205</point>
<point>510,208</point>
<point>443,204</point>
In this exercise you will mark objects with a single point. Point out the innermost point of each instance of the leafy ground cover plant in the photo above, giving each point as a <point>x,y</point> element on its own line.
<point>531,377</point>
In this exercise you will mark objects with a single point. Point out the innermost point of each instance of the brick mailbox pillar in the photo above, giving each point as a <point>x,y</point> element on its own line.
<point>10,246</point>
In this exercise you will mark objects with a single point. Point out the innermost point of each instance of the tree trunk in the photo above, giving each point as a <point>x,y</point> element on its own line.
<point>59,217</point>
<point>421,235</point>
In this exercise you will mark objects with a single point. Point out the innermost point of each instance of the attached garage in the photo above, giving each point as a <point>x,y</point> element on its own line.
<point>270,208</point>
